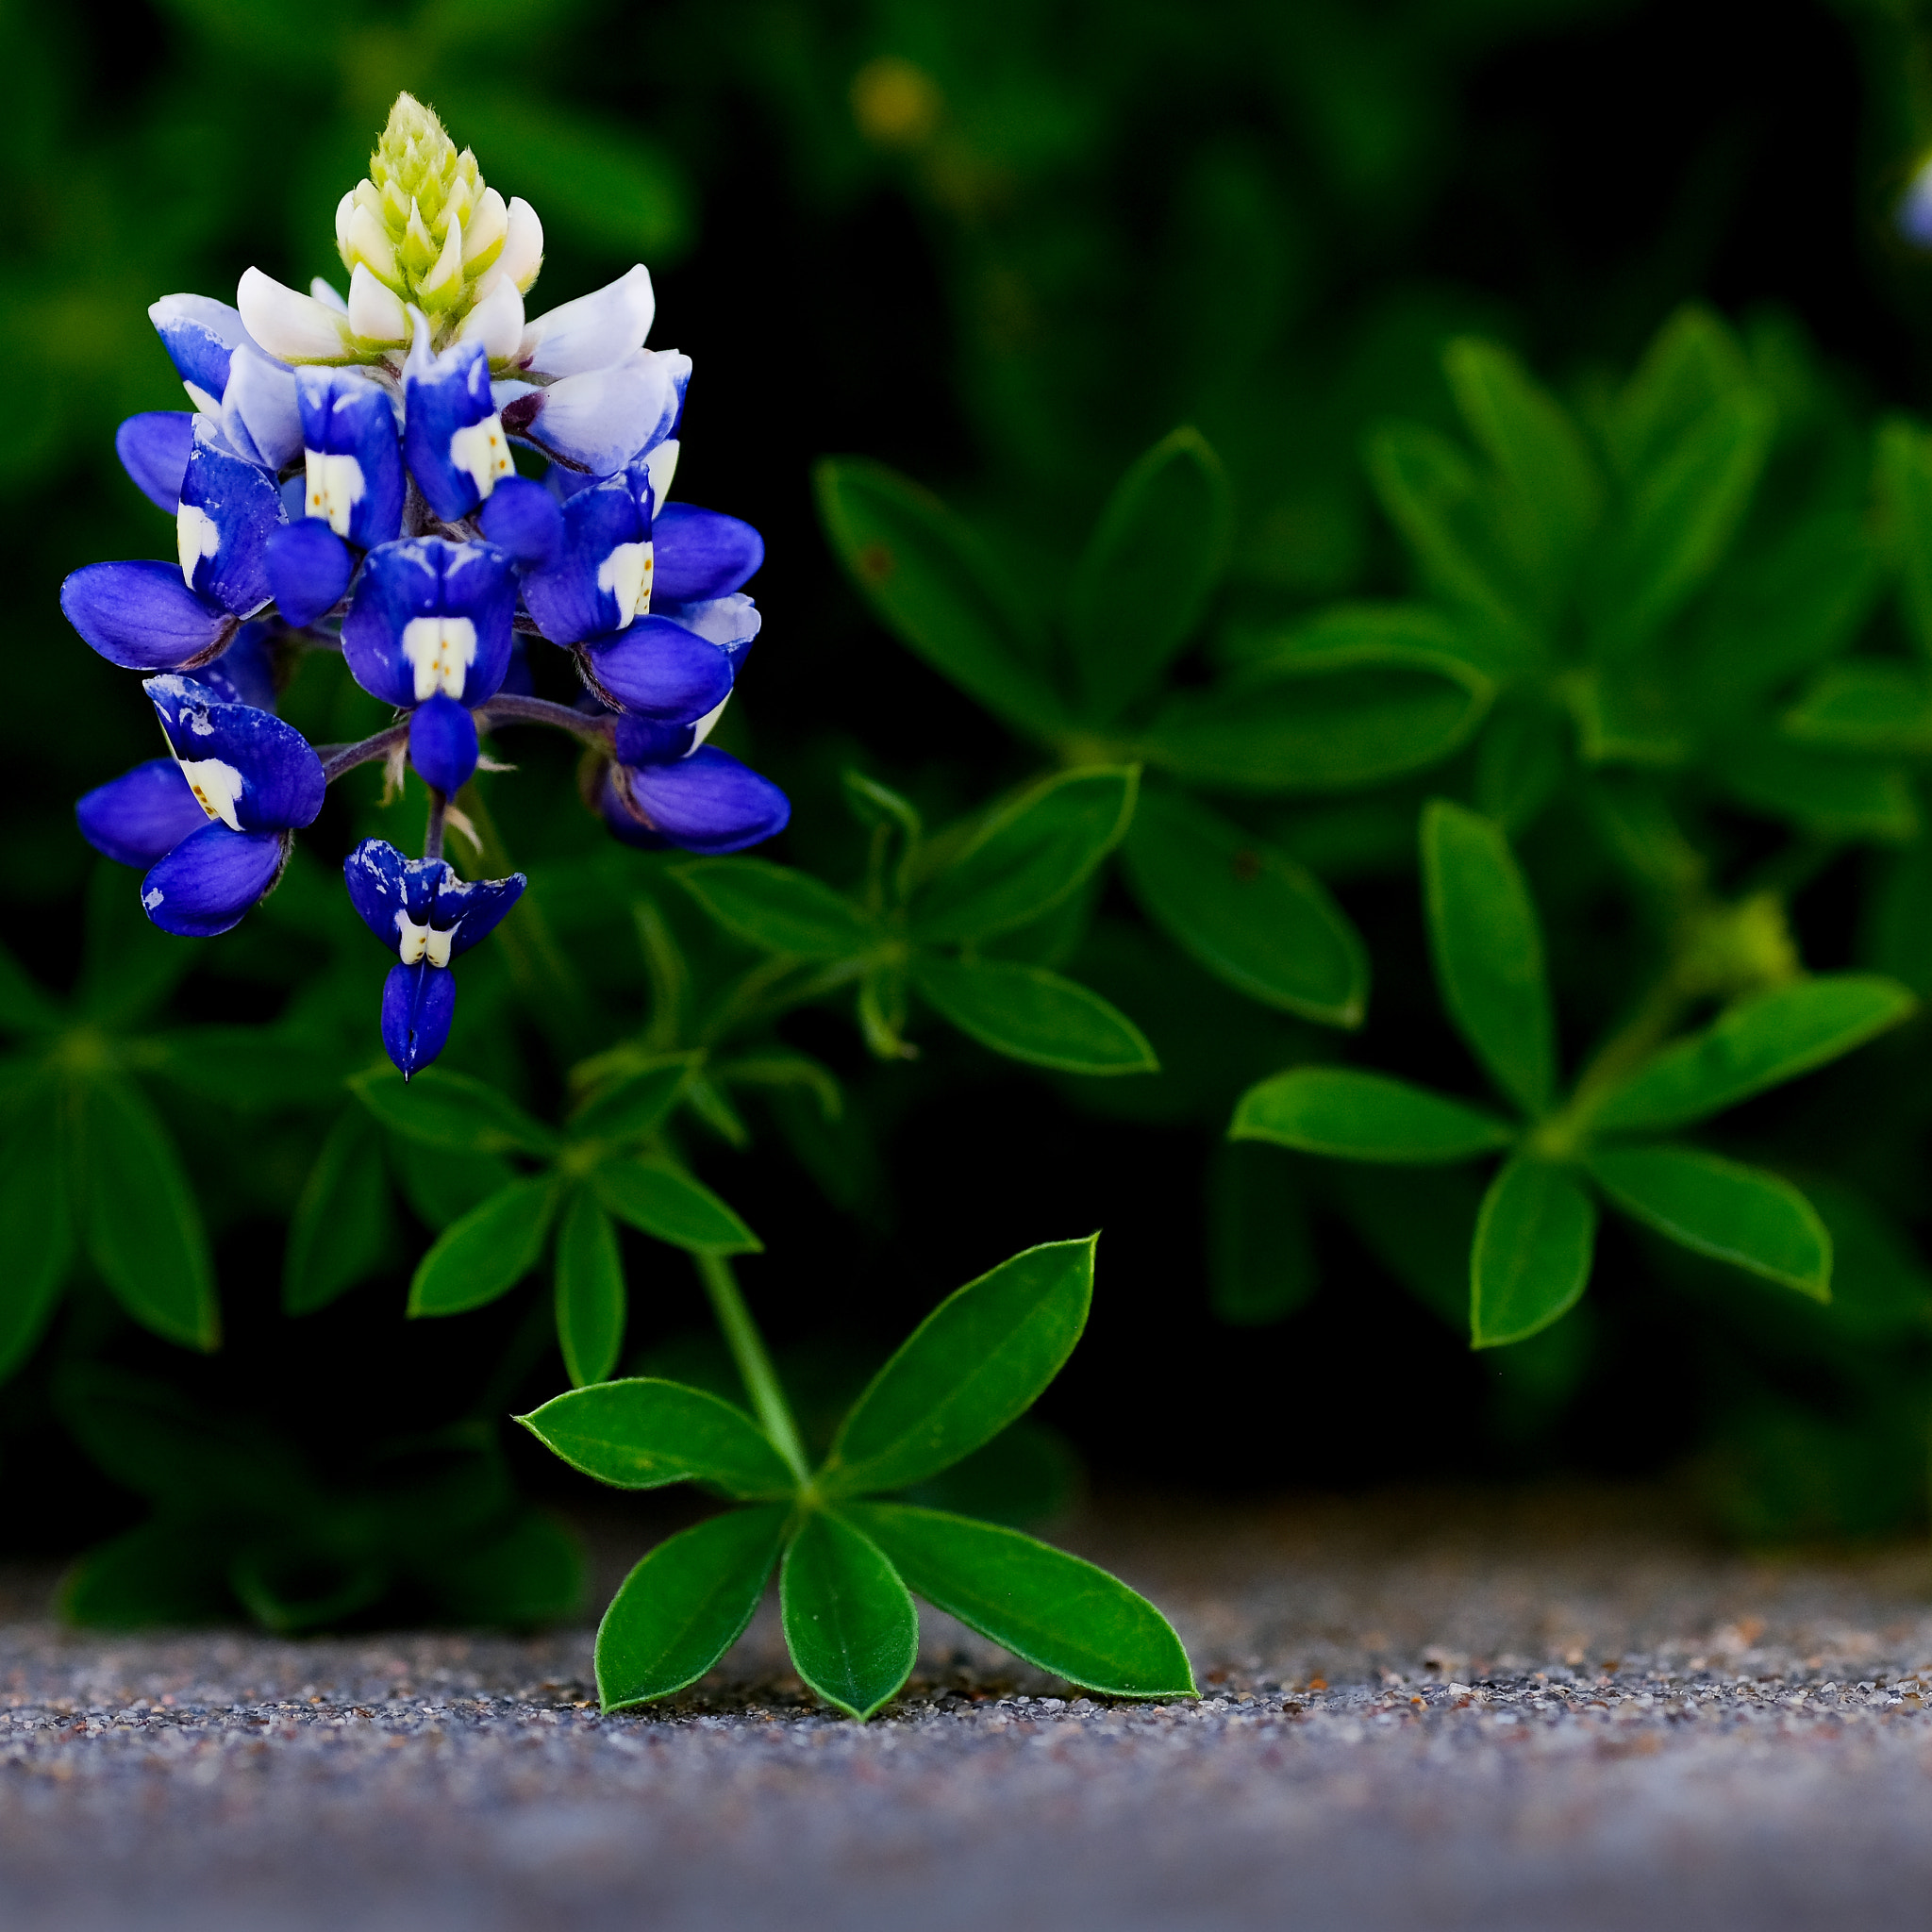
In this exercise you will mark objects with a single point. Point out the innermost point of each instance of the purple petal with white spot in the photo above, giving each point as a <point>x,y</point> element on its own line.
<point>525,519</point>
<point>427,578</point>
<point>229,508</point>
<point>578,597</point>
<point>309,569</point>
<point>200,336</point>
<point>152,448</point>
<point>209,880</point>
<point>259,770</point>
<point>702,554</point>
<point>141,816</point>
<point>598,422</point>
<point>659,668</point>
<point>259,415</point>
<point>346,415</point>
<point>443,397</point>
<point>143,616</point>
<point>442,743</point>
<point>705,803</point>
<point>383,884</point>
<point>418,1003</point>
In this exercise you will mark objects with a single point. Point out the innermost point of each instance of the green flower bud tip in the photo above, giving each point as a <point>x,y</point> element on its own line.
<point>421,229</point>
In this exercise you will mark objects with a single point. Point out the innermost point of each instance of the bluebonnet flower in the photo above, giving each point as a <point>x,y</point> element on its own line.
<point>290,482</point>
<point>426,916</point>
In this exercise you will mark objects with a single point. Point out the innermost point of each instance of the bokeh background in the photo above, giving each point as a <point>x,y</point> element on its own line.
<point>1002,245</point>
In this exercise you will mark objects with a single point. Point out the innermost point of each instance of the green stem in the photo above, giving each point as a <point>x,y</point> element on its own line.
<point>1647,1028</point>
<point>747,1348</point>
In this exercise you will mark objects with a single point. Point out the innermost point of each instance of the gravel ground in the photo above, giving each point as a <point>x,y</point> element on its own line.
<point>1423,1711</point>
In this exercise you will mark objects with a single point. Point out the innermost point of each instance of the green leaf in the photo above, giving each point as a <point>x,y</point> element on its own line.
<point>343,1230</point>
<point>1053,1611</point>
<point>660,1201</point>
<point>143,1228</point>
<point>1030,1014</point>
<point>1352,1115</point>
<point>1754,1220</point>
<point>1684,509</point>
<point>938,589</point>
<point>778,909</point>
<point>1866,704</point>
<point>1254,917</point>
<point>1693,362</point>
<point>36,1237</point>
<point>1759,1042</point>
<point>641,1433</point>
<point>488,1251</point>
<point>1489,951</point>
<point>1289,726</point>
<point>978,1360</point>
<point>168,1570</point>
<point>850,1627</point>
<point>686,1604</point>
<point>639,1102</point>
<point>1530,1260</point>
<point>251,1068</point>
<point>450,1110</point>
<point>1029,857</point>
<point>1261,1257</point>
<point>1154,558</point>
<point>590,1301</point>
<point>1553,496</point>
<point>1905,500</point>
<point>1834,794</point>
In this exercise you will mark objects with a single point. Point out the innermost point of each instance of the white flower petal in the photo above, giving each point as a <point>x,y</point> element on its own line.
<point>259,413</point>
<point>601,421</point>
<point>328,295</point>
<point>496,322</point>
<point>593,332</point>
<point>660,466</point>
<point>293,326</point>
<point>374,311</point>
<point>523,244</point>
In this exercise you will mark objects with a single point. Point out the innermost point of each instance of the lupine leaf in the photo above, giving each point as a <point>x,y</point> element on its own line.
<point>1352,1115</point>
<point>1489,951</point>
<point>1835,795</point>
<point>849,1625</point>
<point>1146,575</point>
<point>685,1604</point>
<point>662,1201</point>
<point>778,909</point>
<point>36,1238</point>
<point>1251,915</point>
<point>978,1360</point>
<point>1760,1042</point>
<point>343,1228</point>
<point>167,1571</point>
<point>590,1301</point>
<point>1358,634</point>
<point>639,1102</point>
<point>142,1227</point>
<point>1866,704</point>
<point>1287,728</point>
<point>488,1251</point>
<point>641,1433</point>
<point>1692,362</point>
<point>938,589</point>
<point>447,1109</point>
<point>1754,1220</point>
<point>1029,857</point>
<point>1904,495</point>
<point>1030,1014</point>
<point>1054,1611</point>
<point>1534,1242</point>
<point>1260,1257</point>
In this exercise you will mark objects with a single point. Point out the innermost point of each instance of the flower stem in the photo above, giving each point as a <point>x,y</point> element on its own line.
<point>337,758</point>
<point>432,832</point>
<point>747,1348</point>
<point>506,707</point>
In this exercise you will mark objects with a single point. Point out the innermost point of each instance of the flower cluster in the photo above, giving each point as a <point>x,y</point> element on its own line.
<point>346,481</point>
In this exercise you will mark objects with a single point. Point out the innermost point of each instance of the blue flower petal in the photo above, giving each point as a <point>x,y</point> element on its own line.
<point>525,519</point>
<point>259,414</point>
<point>142,617</point>
<point>431,616</point>
<point>442,743</point>
<point>393,894</point>
<point>642,740</point>
<point>309,569</point>
<point>354,462</point>
<point>152,448</point>
<point>660,668</point>
<point>602,568</point>
<point>418,1003</point>
<point>601,421</point>
<point>474,908</point>
<point>141,816</point>
<point>229,507</point>
<point>702,554</point>
<point>247,767</point>
<point>209,880</point>
<point>200,336</point>
<point>454,441</point>
<point>730,622</point>
<point>705,803</point>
